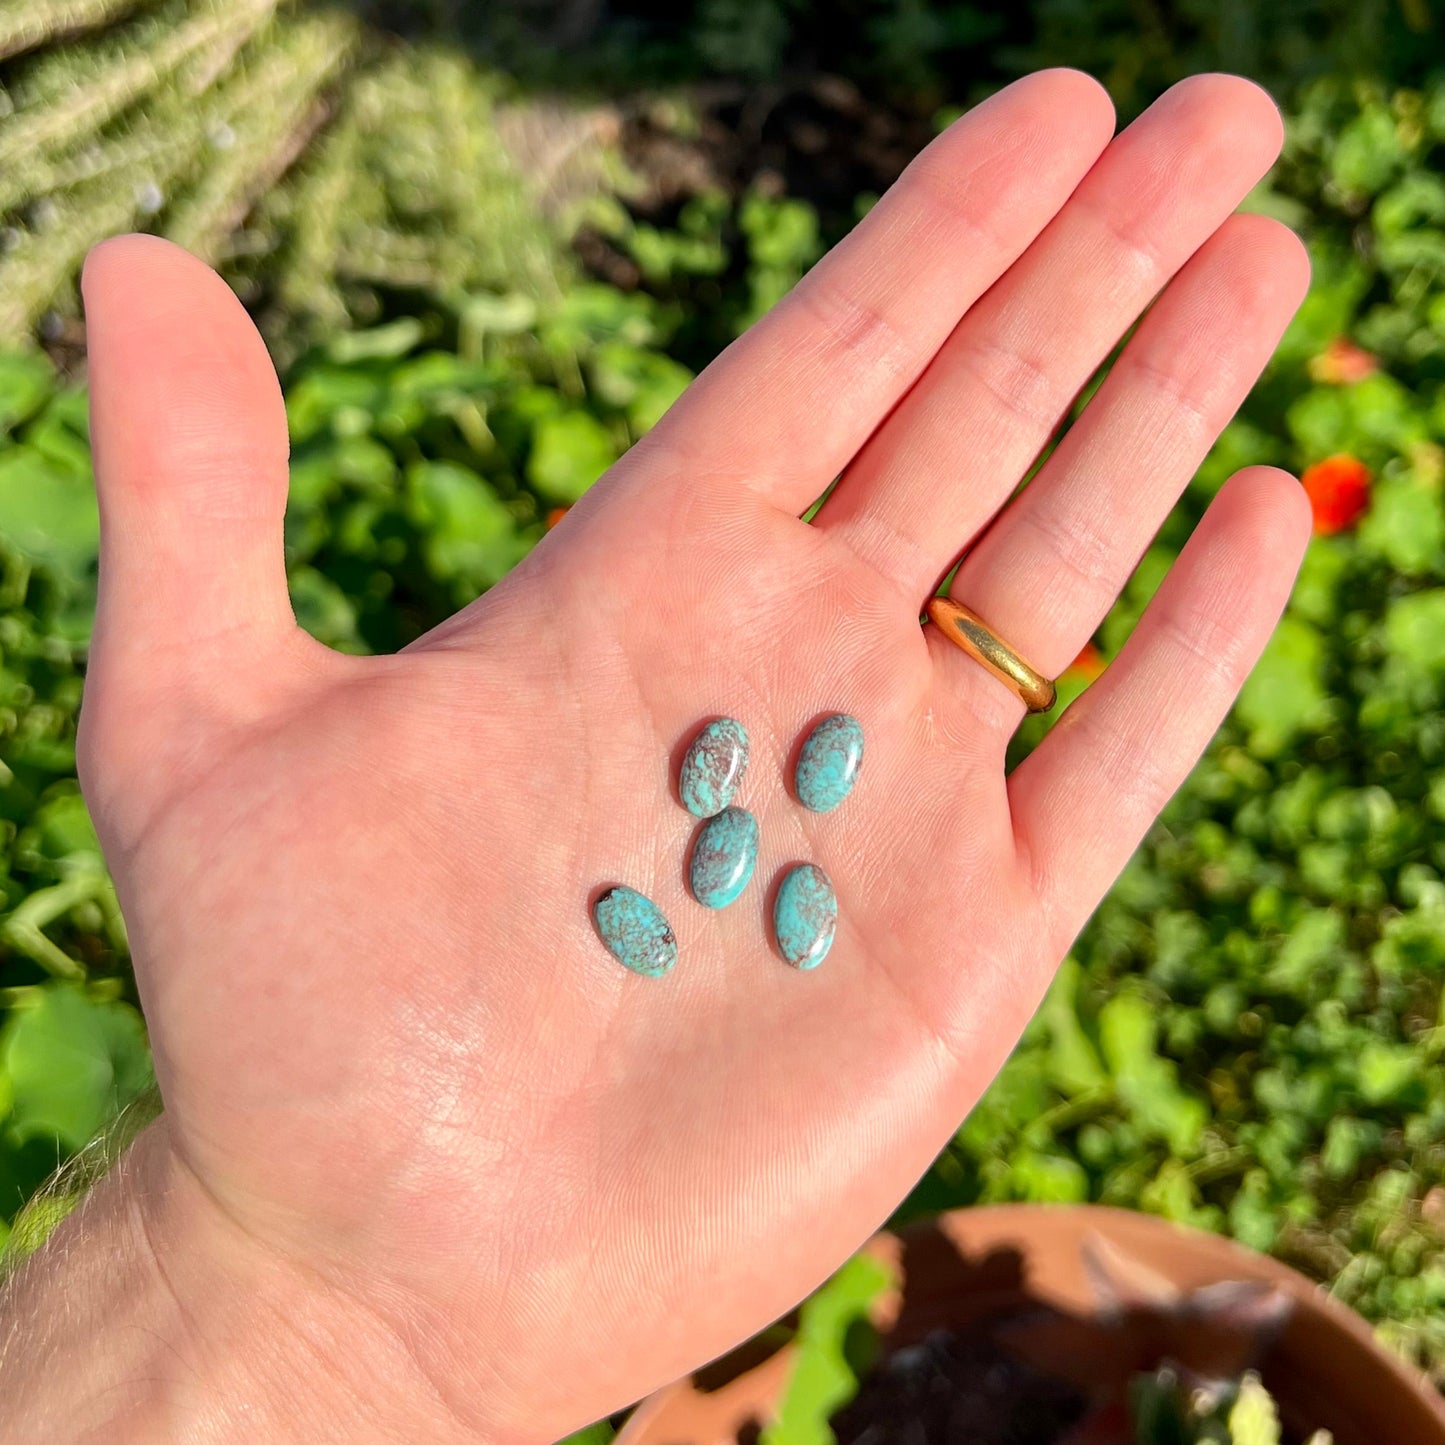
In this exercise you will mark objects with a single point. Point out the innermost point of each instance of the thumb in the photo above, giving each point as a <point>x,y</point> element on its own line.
<point>189,437</point>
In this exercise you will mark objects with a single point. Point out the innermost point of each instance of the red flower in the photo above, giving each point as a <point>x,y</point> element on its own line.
<point>1341,363</point>
<point>1089,663</point>
<point>555,516</point>
<point>1339,492</point>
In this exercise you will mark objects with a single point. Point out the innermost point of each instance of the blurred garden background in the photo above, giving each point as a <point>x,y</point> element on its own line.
<point>489,245</point>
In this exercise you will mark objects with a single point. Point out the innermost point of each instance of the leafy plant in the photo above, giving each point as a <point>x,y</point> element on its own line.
<point>1271,963</point>
<point>1238,1412</point>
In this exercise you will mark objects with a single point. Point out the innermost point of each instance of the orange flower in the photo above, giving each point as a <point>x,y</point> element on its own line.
<point>1341,363</point>
<point>555,516</point>
<point>1089,663</point>
<point>1339,492</point>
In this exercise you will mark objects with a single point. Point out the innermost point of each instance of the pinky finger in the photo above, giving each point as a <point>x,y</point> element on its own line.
<point>1086,795</point>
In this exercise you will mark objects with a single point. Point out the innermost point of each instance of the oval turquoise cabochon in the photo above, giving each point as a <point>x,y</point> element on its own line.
<point>713,767</point>
<point>805,916</point>
<point>723,857</point>
<point>829,763</point>
<point>635,932</point>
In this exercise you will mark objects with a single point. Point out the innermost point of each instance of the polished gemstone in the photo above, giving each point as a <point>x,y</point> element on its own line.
<point>829,763</point>
<point>805,915</point>
<point>635,932</point>
<point>713,767</point>
<point>723,857</point>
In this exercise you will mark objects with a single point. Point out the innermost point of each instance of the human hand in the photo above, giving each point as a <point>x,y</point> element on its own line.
<point>514,1185</point>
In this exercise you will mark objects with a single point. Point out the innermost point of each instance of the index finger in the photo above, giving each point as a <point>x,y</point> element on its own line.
<point>787,405</point>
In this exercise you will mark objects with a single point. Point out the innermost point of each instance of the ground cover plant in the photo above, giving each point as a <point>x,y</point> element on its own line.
<point>1247,1036</point>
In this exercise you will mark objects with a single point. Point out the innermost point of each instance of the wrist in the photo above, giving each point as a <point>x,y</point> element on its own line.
<point>150,1316</point>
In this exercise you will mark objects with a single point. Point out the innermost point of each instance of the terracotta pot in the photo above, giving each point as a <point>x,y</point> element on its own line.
<point>1090,1271</point>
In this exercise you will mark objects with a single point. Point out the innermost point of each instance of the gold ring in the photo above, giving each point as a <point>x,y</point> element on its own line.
<point>970,632</point>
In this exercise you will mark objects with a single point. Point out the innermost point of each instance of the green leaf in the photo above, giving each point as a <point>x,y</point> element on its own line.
<point>1073,1061</point>
<point>73,1063</point>
<point>394,339</point>
<point>324,610</point>
<point>1405,525</point>
<point>641,381</point>
<point>782,232</point>
<point>61,435</point>
<point>601,1433</point>
<point>1415,630</point>
<point>1370,419</point>
<point>823,1377</point>
<point>1253,1420</point>
<point>1147,1082</point>
<point>1308,953</point>
<point>48,513</point>
<point>1173,1193</point>
<point>492,315</point>
<point>318,398</point>
<point>469,534</point>
<point>1316,596</point>
<point>1366,152</point>
<point>569,452</point>
<point>26,381</point>
<point>1284,693</point>
<point>35,1223</point>
<point>1049,1178</point>
<point>1347,1140</point>
<point>590,313</point>
<point>1412,942</point>
<point>1387,1072</point>
<point>60,829</point>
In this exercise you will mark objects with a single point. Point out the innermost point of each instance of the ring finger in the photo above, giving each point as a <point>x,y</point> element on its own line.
<point>1053,562</point>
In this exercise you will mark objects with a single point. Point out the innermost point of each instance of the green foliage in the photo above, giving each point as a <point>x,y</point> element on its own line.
<point>924,53</point>
<point>421,475</point>
<point>832,1351</point>
<point>1166,1412</point>
<point>1248,1034</point>
<point>72,1058</point>
<point>601,1433</point>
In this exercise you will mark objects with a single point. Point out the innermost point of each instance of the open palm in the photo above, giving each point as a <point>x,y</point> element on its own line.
<point>397,1061</point>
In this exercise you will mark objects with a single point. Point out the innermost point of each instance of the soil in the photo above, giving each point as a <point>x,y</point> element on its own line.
<point>958,1389</point>
<point>817,138</point>
<point>814,138</point>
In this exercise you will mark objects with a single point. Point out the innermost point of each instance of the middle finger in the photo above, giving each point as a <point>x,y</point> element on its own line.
<point>953,450</point>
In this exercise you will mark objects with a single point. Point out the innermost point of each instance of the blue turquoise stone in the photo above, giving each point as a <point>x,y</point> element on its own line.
<point>713,767</point>
<point>635,932</point>
<point>805,916</point>
<point>829,763</point>
<point>723,857</point>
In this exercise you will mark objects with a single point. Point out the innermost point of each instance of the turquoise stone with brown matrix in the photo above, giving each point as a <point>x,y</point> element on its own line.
<point>713,767</point>
<point>723,857</point>
<point>829,763</point>
<point>805,916</point>
<point>635,932</point>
